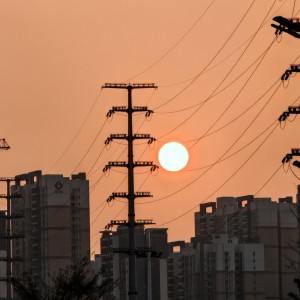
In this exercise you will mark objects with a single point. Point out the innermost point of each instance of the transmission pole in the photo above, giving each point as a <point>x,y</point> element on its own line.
<point>130,165</point>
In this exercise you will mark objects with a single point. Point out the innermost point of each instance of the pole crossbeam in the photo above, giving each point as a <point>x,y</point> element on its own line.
<point>289,156</point>
<point>295,68</point>
<point>126,165</point>
<point>292,110</point>
<point>130,165</point>
<point>125,195</point>
<point>129,86</point>
<point>122,136</point>
<point>4,145</point>
<point>126,110</point>
<point>126,223</point>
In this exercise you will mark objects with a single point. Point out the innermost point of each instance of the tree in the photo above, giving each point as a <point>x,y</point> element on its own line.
<point>292,295</point>
<point>71,282</point>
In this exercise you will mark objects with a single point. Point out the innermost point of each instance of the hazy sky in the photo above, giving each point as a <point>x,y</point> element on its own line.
<point>56,55</point>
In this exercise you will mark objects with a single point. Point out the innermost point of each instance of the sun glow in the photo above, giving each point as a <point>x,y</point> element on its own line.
<point>173,156</point>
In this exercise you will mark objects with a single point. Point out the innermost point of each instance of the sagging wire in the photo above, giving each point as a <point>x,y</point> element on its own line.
<point>228,56</point>
<point>294,173</point>
<point>78,131</point>
<point>237,95</point>
<point>220,91</point>
<point>219,85</point>
<point>175,45</point>
<point>216,190</point>
<point>209,63</point>
<point>90,147</point>
<point>272,176</point>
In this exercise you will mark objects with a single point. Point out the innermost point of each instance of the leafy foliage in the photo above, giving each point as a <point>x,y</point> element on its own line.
<point>292,295</point>
<point>71,282</point>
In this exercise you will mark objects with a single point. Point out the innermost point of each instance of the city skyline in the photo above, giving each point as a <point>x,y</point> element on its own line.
<point>56,56</point>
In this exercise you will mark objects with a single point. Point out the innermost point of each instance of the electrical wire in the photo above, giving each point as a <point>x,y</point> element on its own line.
<point>174,46</point>
<point>77,133</point>
<point>220,91</point>
<point>294,173</point>
<point>209,63</point>
<point>237,95</point>
<point>221,157</point>
<point>222,81</point>
<point>237,117</point>
<point>90,147</point>
<point>216,190</point>
<point>236,152</point>
<point>293,8</point>
<point>272,176</point>
<point>224,59</point>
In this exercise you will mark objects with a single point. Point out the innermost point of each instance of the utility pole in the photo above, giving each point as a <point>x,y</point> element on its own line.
<point>130,165</point>
<point>293,110</point>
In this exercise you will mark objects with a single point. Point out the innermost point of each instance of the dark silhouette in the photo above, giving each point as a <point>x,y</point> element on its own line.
<point>292,295</point>
<point>71,282</point>
<point>290,26</point>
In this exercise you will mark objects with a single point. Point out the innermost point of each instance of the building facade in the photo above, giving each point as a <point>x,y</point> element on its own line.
<point>151,262</point>
<point>3,243</point>
<point>55,223</point>
<point>244,248</point>
<point>259,234</point>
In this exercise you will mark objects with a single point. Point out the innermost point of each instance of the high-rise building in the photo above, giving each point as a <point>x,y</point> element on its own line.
<point>151,262</point>
<point>266,227</point>
<point>55,223</point>
<point>183,271</point>
<point>232,270</point>
<point>3,242</point>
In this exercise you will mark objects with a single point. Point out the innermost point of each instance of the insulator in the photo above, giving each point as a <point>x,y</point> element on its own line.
<point>283,117</point>
<point>106,168</point>
<point>110,198</point>
<point>286,75</point>
<point>149,113</point>
<point>151,140</point>
<point>287,158</point>
<point>107,141</point>
<point>110,113</point>
<point>153,168</point>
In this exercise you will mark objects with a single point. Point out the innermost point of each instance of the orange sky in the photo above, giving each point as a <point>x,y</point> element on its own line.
<point>55,55</point>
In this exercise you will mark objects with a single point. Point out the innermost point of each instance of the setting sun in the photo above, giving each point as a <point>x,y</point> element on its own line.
<point>173,156</point>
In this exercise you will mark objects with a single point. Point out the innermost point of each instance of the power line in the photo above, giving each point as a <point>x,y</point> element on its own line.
<point>272,176</point>
<point>220,91</point>
<point>90,147</point>
<point>245,162</point>
<point>214,57</point>
<point>222,81</point>
<point>224,59</point>
<point>237,117</point>
<point>237,95</point>
<point>77,133</point>
<point>174,46</point>
<point>232,145</point>
<point>236,152</point>
<point>293,8</point>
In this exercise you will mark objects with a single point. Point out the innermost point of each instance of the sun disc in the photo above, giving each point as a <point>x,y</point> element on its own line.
<point>173,156</point>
